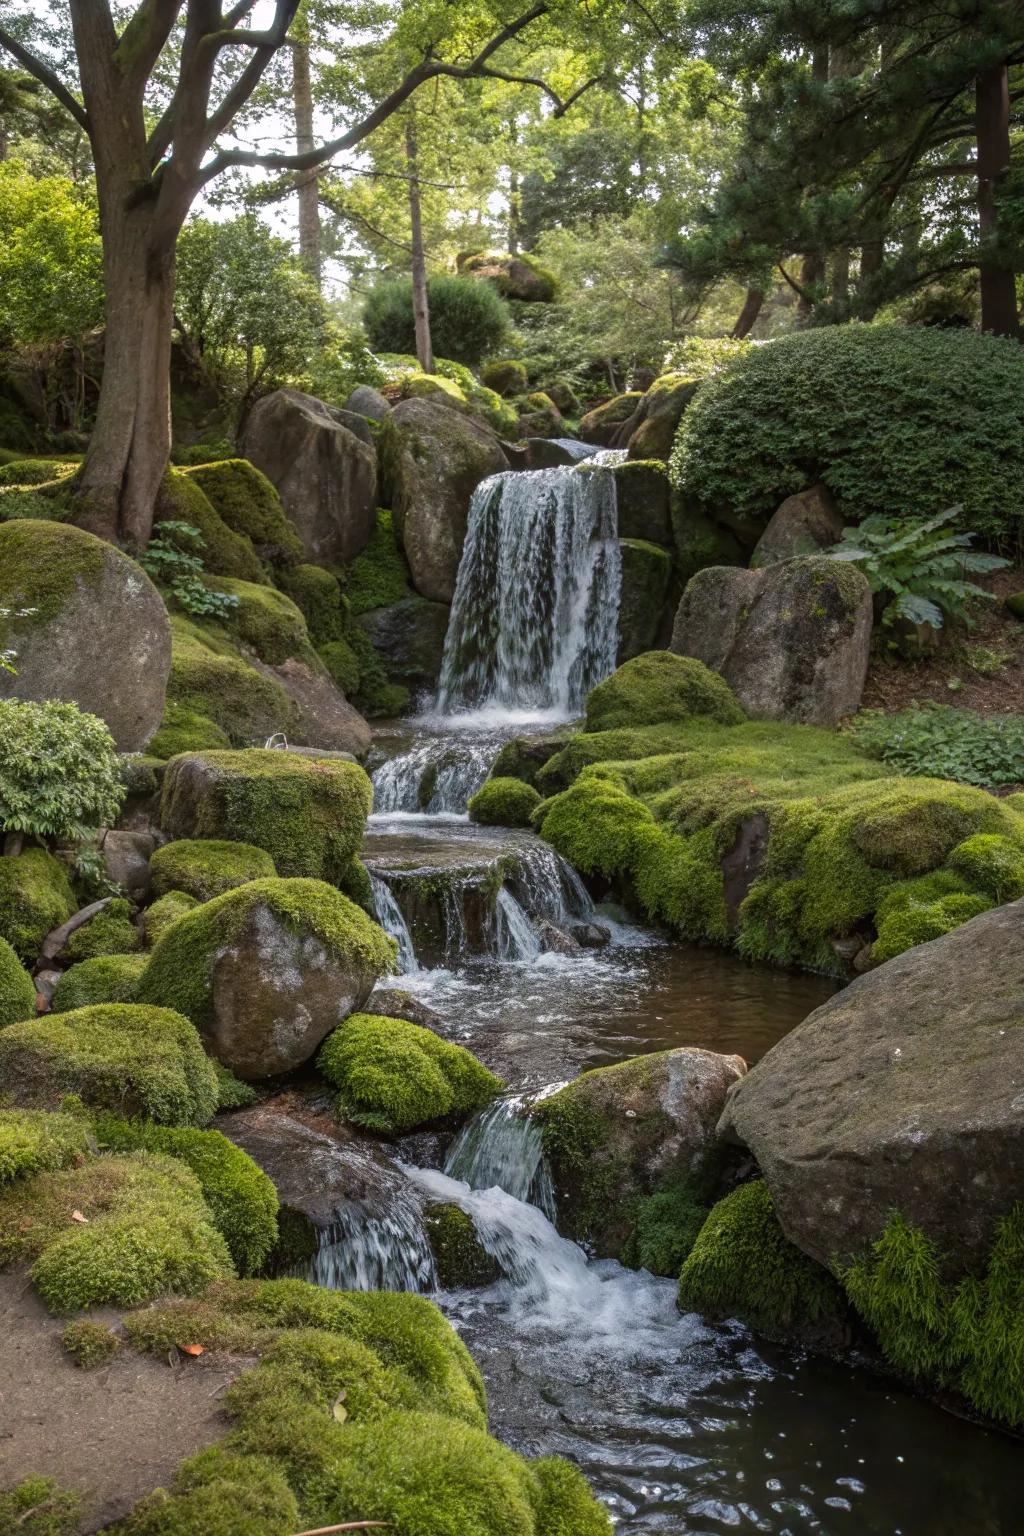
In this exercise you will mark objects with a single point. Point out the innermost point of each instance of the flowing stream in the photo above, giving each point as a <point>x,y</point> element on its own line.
<point>681,1426</point>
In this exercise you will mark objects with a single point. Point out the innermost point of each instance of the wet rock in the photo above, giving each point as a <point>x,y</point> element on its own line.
<point>646,575</point>
<point>524,756</point>
<point>364,401</point>
<point>642,499</point>
<point>805,524</point>
<point>600,426</point>
<point>409,637</point>
<point>126,857</point>
<point>590,935</point>
<point>323,716</point>
<point>556,452</point>
<point>555,940</point>
<point>904,1092</point>
<point>462,1260</point>
<point>395,1003</point>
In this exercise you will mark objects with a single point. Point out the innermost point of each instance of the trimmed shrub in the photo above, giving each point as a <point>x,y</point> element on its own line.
<point>59,774</point>
<point>32,1141</point>
<point>35,898</point>
<point>467,319</point>
<point>104,979</point>
<point>17,989</point>
<point>658,687</point>
<point>504,803</point>
<point>110,932</point>
<point>206,868</point>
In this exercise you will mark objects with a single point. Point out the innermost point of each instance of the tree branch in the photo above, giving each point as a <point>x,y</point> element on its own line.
<point>143,39</point>
<point>45,76</point>
<point>253,72</point>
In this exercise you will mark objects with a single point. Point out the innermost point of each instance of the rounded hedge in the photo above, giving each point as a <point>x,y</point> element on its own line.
<point>17,989</point>
<point>893,420</point>
<point>504,803</point>
<point>205,868</point>
<point>658,687</point>
<point>467,319</point>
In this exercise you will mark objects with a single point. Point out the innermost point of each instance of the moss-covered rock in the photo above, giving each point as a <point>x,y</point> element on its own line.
<point>505,378</point>
<point>247,502</point>
<point>90,1344</point>
<point>700,542</point>
<point>317,595</point>
<point>103,979</point>
<point>642,500</point>
<point>459,1255</point>
<point>651,430</point>
<point>210,679</point>
<point>224,552</point>
<point>111,932</point>
<point>539,416</point>
<point>601,425</point>
<point>1015,605</point>
<point>219,1494</point>
<point>185,730</point>
<point>206,868</point>
<point>504,802</point>
<point>308,814</point>
<point>658,687</point>
<point>34,1141</point>
<point>35,897</point>
<point>520,277</point>
<point>270,951</point>
<point>120,1056</point>
<point>17,989</point>
<point>393,1076</point>
<point>644,592</point>
<point>264,619</point>
<point>166,910</point>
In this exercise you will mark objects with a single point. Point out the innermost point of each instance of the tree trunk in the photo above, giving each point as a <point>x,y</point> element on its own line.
<point>812,266</point>
<point>747,317</point>
<point>420,304</point>
<point>992,118</point>
<point>309,181</point>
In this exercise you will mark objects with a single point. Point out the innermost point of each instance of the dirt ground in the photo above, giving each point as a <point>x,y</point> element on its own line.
<point>111,1434</point>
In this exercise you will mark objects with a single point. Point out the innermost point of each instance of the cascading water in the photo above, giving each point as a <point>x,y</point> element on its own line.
<point>502,1149</point>
<point>363,1251</point>
<point>389,915</point>
<point>534,622</point>
<point>436,777</point>
<point>515,937</point>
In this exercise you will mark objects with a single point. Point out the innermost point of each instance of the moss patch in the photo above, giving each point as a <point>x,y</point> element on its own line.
<point>38,1507</point>
<point>32,1141</point>
<point>104,979</point>
<point>317,595</point>
<point>247,502</point>
<point>41,567</point>
<point>185,730</point>
<point>264,619</point>
<point>90,1344</point>
<point>211,680</point>
<point>205,869</point>
<point>460,1256</point>
<point>659,687</point>
<point>219,1494</point>
<point>35,898</point>
<point>17,989</point>
<point>110,932</point>
<point>164,912</point>
<point>504,803</point>
<point>224,552</point>
<point>379,576</point>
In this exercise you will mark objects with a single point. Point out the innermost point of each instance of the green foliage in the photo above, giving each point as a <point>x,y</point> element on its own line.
<point>204,869</point>
<point>119,1056</point>
<point>467,319</point>
<point>51,268</point>
<point>241,1198</point>
<point>460,1256</point>
<point>504,803</point>
<point>220,1494</point>
<point>698,357</point>
<point>35,898</point>
<point>183,730</point>
<point>506,378</point>
<point>210,680</point>
<point>90,1344</point>
<point>147,1231</point>
<point>17,989</point>
<point>379,576</point>
<point>742,1265</point>
<point>33,1141</point>
<point>244,498</point>
<point>920,565</point>
<point>657,687</point>
<point>886,416</point>
<point>110,932</point>
<point>666,1226</point>
<point>174,560</point>
<point>38,1507</point>
<point>103,979</point>
<point>939,742</point>
<point>59,774</point>
<point>393,1076</point>
<point>166,910</point>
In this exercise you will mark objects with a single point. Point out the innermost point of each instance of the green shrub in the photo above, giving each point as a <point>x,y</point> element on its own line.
<point>17,989</point>
<point>146,1231</point>
<point>35,898</point>
<point>59,774</point>
<point>165,911</point>
<point>936,741</point>
<point>173,558</point>
<point>467,319</point>
<point>90,1344</point>
<point>392,1076</point>
<point>32,1141</point>
<point>504,803</point>
<point>104,979</point>
<point>218,1493</point>
<point>241,1198</point>
<point>118,1056</point>
<point>206,868</point>
<point>379,576</point>
<point>110,932</point>
<point>886,416</point>
<point>184,730</point>
<point>247,502</point>
<point>208,678</point>
<point>37,1507</point>
<point>658,687</point>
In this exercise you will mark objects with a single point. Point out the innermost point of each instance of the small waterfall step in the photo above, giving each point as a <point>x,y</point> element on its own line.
<point>502,1149</point>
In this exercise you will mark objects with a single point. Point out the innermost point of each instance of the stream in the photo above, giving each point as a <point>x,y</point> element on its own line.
<point>681,1426</point>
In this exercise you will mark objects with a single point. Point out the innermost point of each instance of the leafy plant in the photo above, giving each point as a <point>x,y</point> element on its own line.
<point>921,564</point>
<point>936,741</point>
<point>180,570</point>
<point>467,319</point>
<point>59,773</point>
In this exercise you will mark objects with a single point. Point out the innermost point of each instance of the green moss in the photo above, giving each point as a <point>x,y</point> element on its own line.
<point>35,898</point>
<point>241,1198</point>
<point>308,814</point>
<point>206,868</point>
<point>317,595</point>
<point>659,687</point>
<point>504,803</point>
<point>903,920</point>
<point>598,425</point>
<point>460,1256</point>
<point>218,1493</point>
<point>377,698</point>
<point>90,1344</point>
<point>38,1507</point>
<point>224,552</point>
<point>742,1265</point>
<point>666,1226</point>
<point>564,1504</point>
<point>164,912</point>
<point>263,619</point>
<point>247,502</point>
<point>33,471</point>
<point>379,576</point>
<point>598,827</point>
<point>146,1232</point>
<point>41,566</point>
<point>103,979</point>
<point>180,971</point>
<point>217,684</point>
<point>232,1093</point>
<point>342,663</point>
<point>506,378</point>
<point>993,863</point>
<point>32,1141</point>
<point>118,1056</point>
<point>110,932</point>
<point>700,541</point>
<point>392,1076</point>
<point>355,883</point>
<point>17,989</point>
<point>1015,605</point>
<point>184,730</point>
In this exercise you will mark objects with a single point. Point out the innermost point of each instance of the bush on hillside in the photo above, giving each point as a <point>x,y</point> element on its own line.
<point>467,319</point>
<point>59,774</point>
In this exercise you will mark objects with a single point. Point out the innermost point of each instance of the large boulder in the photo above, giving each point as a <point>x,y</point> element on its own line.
<point>409,637</point>
<point>805,524</point>
<point>87,626</point>
<point>620,1133</point>
<point>266,971</point>
<point>517,277</point>
<point>650,431</point>
<point>791,640</point>
<point>904,1093</point>
<point>322,716</point>
<point>368,402</point>
<point>324,466</point>
<point>601,425</point>
<point>646,574</point>
<point>642,501</point>
<point>436,458</point>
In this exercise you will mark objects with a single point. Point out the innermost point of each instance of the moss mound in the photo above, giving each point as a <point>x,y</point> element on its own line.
<point>392,1076</point>
<point>210,680</point>
<point>379,576</point>
<point>506,378</point>
<point>164,911</point>
<point>219,1494</point>
<point>460,1256</point>
<point>120,1056</point>
<point>264,619</point>
<point>110,932</point>
<point>317,595</point>
<point>224,552</point>
<point>32,1141</point>
<point>146,1232</point>
<point>90,1344</point>
<point>658,687</point>
<point>104,979</point>
<point>17,989</point>
<point>244,498</point>
<point>35,898</point>
<point>37,1507</point>
<point>184,730</point>
<point>504,803</point>
<point>205,869</point>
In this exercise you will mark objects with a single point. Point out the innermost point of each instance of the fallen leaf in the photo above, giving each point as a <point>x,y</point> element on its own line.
<point>192,1349</point>
<point>77,1216</point>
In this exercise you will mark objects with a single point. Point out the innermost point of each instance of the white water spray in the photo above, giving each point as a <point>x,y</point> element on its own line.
<point>389,915</point>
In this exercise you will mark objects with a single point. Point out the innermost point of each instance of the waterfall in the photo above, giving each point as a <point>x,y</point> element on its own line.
<point>365,1252</point>
<point>515,936</point>
<point>548,887</point>
<point>389,915</point>
<point>436,777</point>
<point>534,622</point>
<point>502,1149</point>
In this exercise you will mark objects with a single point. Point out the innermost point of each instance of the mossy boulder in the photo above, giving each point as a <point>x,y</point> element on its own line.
<point>323,717</point>
<point>103,979</point>
<point>700,541</point>
<point>650,431</point>
<point>642,499</point>
<point>317,594</point>
<point>601,425</point>
<point>87,626</point>
<point>520,277</point>
<point>247,502</point>
<point>211,681</point>
<point>307,813</point>
<point>1015,605</point>
<point>461,1259</point>
<point>659,687</point>
<point>35,898</point>
<point>267,970</point>
<point>224,552</point>
<point>17,989</point>
<point>409,639</point>
<point>539,416</point>
<point>185,730</point>
<point>644,591</point>
<point>393,1076</point>
<point>120,1056</point>
<point>111,932</point>
<point>805,524</point>
<point>504,802</point>
<point>164,911</point>
<point>264,619</point>
<point>206,868</point>
<point>505,378</point>
<point>619,1134</point>
<point>792,640</point>
<point>219,1494</point>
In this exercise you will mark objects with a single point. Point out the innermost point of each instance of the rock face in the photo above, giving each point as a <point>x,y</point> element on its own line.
<point>324,466</point>
<point>410,637</point>
<point>650,431</point>
<point>87,626</point>
<point>646,573</point>
<point>368,402</point>
<point>436,459</point>
<point>791,640</point>
<point>323,716</point>
<point>601,425</point>
<point>805,524</point>
<point>622,1132</point>
<point>642,500</point>
<point>905,1092</point>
